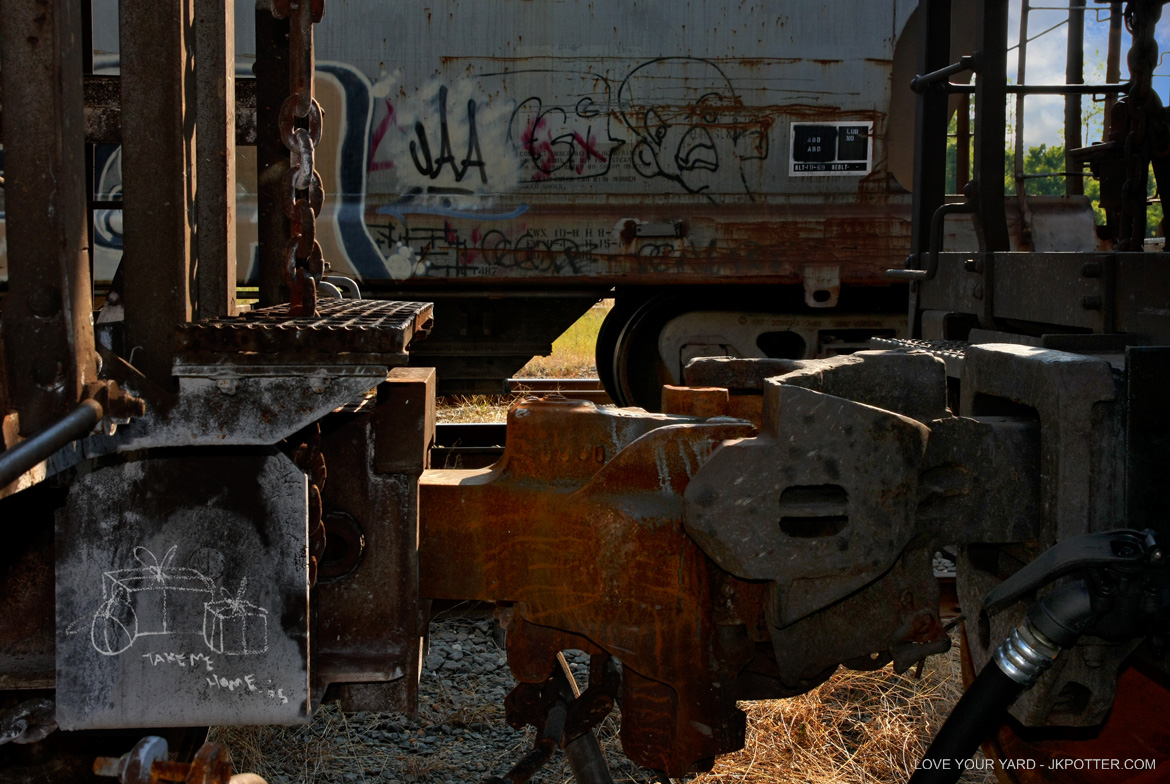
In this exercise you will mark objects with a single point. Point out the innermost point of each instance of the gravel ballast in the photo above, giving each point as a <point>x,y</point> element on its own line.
<point>459,734</point>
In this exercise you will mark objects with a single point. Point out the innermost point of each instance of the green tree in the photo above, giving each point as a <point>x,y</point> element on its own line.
<point>1049,160</point>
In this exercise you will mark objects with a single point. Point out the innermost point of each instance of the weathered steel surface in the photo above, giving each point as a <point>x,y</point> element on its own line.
<point>159,178</point>
<point>47,329</point>
<point>26,583</point>
<point>369,620</point>
<point>1075,402</point>
<point>234,406</point>
<point>839,478</point>
<point>579,526</point>
<point>1074,398</point>
<point>591,143</point>
<point>215,120</point>
<point>834,508</point>
<point>182,593</point>
<point>344,331</point>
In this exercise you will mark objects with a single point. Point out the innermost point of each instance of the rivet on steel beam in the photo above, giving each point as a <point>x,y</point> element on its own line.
<point>1091,302</point>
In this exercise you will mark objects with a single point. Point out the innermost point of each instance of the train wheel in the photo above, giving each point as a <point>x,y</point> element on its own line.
<point>607,339</point>
<point>1136,731</point>
<point>627,346</point>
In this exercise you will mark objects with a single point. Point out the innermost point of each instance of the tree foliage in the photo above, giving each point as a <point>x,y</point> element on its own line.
<point>1048,160</point>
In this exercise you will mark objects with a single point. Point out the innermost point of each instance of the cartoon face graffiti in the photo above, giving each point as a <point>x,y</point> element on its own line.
<point>690,125</point>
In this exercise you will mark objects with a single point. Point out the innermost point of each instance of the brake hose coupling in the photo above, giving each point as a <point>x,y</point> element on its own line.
<point>1026,654</point>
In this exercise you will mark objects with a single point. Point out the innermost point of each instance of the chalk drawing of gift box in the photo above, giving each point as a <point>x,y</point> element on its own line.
<point>233,626</point>
<point>153,598</point>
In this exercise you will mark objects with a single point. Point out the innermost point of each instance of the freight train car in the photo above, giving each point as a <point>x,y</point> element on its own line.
<point>738,179</point>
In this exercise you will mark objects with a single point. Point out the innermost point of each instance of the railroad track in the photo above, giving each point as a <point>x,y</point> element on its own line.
<point>578,388</point>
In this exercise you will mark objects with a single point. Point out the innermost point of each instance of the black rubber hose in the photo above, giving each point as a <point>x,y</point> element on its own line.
<point>1052,624</point>
<point>26,454</point>
<point>976,716</point>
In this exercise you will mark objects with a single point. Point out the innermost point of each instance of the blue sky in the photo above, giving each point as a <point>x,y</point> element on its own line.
<point>1044,115</point>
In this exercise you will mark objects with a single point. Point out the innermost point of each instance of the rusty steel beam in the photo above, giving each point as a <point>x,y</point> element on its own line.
<point>158,178</point>
<point>215,101</point>
<point>369,624</point>
<point>930,122</point>
<point>990,120</point>
<point>103,109</point>
<point>272,79</point>
<point>48,331</point>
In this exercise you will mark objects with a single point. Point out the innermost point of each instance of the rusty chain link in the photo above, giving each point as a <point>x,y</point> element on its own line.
<point>28,722</point>
<point>1148,130</point>
<point>300,130</point>
<point>309,459</point>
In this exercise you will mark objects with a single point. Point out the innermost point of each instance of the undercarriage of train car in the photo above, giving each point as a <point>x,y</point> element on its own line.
<point>247,492</point>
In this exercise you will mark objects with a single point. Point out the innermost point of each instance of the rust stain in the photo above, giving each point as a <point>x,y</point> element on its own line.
<point>597,552</point>
<point>629,232</point>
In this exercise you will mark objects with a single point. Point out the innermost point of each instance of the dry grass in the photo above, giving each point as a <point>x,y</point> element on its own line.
<point>856,728</point>
<point>573,352</point>
<point>474,408</point>
<point>572,357</point>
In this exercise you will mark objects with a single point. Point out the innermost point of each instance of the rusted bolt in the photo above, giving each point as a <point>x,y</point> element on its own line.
<point>1091,302</point>
<point>318,384</point>
<point>134,766</point>
<point>1091,269</point>
<point>977,291</point>
<point>228,386</point>
<point>973,265</point>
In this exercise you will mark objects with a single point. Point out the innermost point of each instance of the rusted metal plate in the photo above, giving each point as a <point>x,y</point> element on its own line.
<point>580,526</point>
<point>345,331</point>
<point>369,620</point>
<point>224,405</point>
<point>182,593</point>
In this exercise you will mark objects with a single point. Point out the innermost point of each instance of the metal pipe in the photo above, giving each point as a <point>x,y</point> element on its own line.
<point>25,455</point>
<point>1110,87</point>
<point>1112,64</point>
<point>349,285</point>
<point>1074,74</point>
<point>920,83</point>
<point>936,239</point>
<point>1018,167</point>
<point>1052,625</point>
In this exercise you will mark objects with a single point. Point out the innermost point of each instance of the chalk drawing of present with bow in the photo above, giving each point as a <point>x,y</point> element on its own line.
<point>151,599</point>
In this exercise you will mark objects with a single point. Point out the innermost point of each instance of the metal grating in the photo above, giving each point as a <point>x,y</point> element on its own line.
<point>343,331</point>
<point>951,352</point>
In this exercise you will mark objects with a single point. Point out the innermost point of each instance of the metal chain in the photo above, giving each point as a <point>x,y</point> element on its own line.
<point>300,130</point>
<point>28,722</point>
<point>1146,118</point>
<point>309,459</point>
